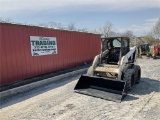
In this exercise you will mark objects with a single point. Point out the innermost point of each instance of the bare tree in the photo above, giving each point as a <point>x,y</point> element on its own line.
<point>149,39</point>
<point>8,20</point>
<point>113,34</point>
<point>43,24</point>
<point>83,30</point>
<point>1,19</point>
<point>156,30</point>
<point>129,34</point>
<point>51,24</point>
<point>71,26</point>
<point>95,31</point>
<point>54,25</point>
<point>59,25</point>
<point>107,29</point>
<point>5,20</point>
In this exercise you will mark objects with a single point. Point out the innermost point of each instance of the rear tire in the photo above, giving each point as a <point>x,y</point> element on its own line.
<point>129,78</point>
<point>137,73</point>
<point>154,57</point>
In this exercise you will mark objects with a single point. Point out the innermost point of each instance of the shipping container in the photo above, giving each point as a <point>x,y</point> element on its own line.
<point>28,51</point>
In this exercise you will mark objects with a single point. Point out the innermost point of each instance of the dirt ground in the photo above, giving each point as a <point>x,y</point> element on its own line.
<point>58,101</point>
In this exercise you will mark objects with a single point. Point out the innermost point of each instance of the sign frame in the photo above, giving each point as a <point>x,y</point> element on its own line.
<point>41,45</point>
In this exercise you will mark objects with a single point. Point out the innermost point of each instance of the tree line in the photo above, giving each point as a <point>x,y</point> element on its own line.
<point>106,30</point>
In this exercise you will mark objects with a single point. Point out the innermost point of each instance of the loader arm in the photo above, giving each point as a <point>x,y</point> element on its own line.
<point>129,58</point>
<point>98,58</point>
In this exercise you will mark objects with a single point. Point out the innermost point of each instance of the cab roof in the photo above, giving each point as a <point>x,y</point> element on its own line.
<point>114,37</point>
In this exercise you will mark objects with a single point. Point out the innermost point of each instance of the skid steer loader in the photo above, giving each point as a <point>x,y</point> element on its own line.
<point>144,49</point>
<point>113,71</point>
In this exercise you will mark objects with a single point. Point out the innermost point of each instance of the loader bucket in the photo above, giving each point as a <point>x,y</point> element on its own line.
<point>109,89</point>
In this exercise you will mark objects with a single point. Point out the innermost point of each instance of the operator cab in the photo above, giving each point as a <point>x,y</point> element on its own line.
<point>116,47</point>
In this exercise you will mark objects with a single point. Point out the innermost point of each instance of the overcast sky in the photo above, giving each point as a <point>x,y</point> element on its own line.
<point>136,15</point>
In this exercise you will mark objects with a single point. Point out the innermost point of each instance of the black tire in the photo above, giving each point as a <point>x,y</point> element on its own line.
<point>137,69</point>
<point>154,57</point>
<point>129,78</point>
<point>149,55</point>
<point>90,71</point>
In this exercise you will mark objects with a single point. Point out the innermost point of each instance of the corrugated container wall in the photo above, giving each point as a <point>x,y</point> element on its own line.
<point>17,62</point>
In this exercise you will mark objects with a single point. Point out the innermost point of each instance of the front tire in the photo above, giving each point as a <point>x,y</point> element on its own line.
<point>129,78</point>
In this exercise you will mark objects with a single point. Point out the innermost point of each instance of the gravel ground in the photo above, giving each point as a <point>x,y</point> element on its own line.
<point>58,101</point>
